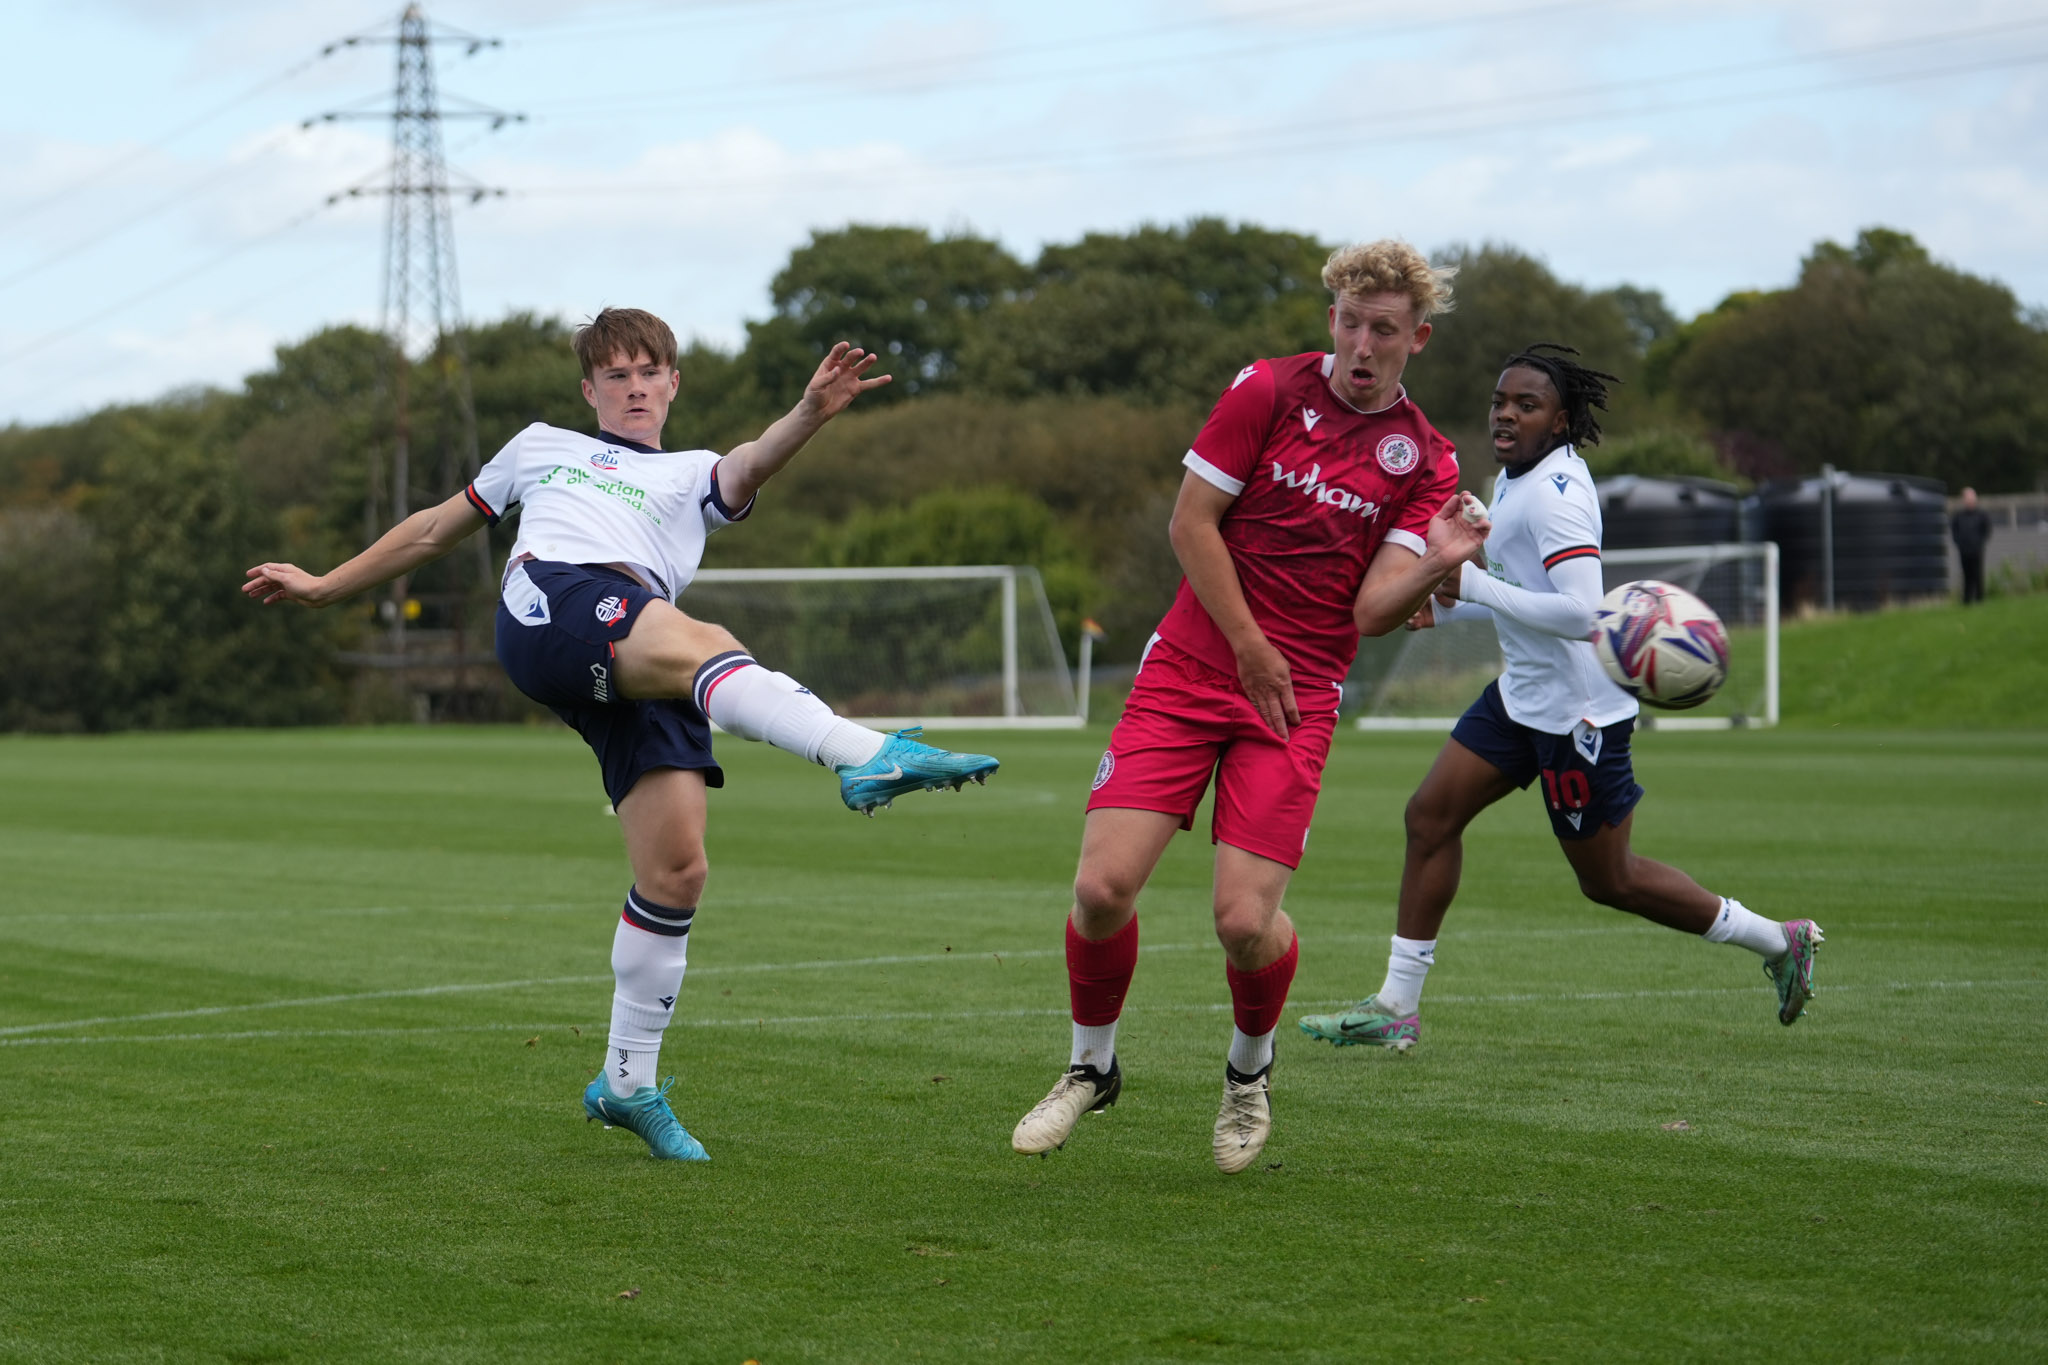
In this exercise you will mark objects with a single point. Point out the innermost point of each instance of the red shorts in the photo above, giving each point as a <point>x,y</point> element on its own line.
<point>1185,720</point>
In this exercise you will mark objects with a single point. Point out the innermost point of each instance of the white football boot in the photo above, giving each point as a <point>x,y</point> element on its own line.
<point>1082,1090</point>
<point>1246,1119</point>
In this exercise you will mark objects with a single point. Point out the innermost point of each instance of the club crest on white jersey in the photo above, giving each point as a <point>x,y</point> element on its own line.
<point>607,460</point>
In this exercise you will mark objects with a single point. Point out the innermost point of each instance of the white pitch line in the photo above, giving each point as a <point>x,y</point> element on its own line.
<point>218,912</point>
<point>956,1016</point>
<point>301,1002</point>
<point>823,964</point>
<point>742,969</point>
<point>244,1035</point>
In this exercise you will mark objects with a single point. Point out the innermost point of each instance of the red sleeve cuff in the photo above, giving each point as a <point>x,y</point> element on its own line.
<point>1551,561</point>
<point>482,507</point>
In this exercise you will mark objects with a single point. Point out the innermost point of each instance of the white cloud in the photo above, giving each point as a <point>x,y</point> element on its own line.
<point>1696,203</point>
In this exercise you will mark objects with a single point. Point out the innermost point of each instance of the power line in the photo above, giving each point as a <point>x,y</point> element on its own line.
<point>36,206</point>
<point>234,312</point>
<point>1317,135</point>
<point>126,221</point>
<point>664,14</point>
<point>839,78</point>
<point>170,282</point>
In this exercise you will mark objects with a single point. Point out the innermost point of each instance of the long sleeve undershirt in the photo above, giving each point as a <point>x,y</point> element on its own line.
<point>1459,611</point>
<point>1566,613</point>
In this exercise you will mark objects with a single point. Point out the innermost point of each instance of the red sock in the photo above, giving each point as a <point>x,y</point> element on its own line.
<point>1256,998</point>
<point>1099,973</point>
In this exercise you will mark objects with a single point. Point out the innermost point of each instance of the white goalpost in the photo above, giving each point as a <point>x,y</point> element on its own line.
<point>961,646</point>
<point>1423,680</point>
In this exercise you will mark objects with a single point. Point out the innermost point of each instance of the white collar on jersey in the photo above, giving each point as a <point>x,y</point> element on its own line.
<point>1330,369</point>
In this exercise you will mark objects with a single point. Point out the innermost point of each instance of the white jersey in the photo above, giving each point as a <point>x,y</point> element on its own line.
<point>602,500</point>
<point>1545,544</point>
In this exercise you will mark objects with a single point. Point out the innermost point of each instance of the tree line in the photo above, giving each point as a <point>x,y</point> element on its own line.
<point>1038,415</point>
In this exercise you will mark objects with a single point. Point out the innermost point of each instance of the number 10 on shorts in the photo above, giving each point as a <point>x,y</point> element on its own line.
<point>1567,790</point>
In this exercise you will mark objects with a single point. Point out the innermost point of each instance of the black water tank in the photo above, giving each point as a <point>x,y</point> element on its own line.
<point>1637,512</point>
<point>1891,539</point>
<point>1641,512</point>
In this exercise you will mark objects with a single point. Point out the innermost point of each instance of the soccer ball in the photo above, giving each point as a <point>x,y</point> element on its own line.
<point>1661,644</point>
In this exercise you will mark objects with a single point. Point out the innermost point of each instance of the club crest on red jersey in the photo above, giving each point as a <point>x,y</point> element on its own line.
<point>1398,454</point>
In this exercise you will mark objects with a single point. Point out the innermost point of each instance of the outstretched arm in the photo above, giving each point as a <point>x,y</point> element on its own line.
<point>839,380</point>
<point>421,538</point>
<point>1398,580</point>
<point>1566,613</point>
<point>1443,607</point>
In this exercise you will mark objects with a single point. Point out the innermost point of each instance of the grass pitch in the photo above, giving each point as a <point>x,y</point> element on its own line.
<point>290,1062</point>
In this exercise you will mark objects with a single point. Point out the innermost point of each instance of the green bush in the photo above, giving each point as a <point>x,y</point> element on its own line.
<point>981,526</point>
<point>1659,452</point>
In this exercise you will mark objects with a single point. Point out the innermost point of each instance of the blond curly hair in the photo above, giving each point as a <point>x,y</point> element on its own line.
<point>1390,267</point>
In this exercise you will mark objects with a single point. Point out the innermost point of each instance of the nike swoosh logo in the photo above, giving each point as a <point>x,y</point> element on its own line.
<point>890,776</point>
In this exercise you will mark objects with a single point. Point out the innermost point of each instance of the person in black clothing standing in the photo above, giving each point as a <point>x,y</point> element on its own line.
<point>1970,528</point>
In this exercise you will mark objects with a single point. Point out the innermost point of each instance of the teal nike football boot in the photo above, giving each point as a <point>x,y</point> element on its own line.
<point>904,765</point>
<point>1792,974</point>
<point>1367,1022</point>
<point>647,1115</point>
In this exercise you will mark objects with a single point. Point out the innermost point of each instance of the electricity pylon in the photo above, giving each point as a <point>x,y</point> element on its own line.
<point>421,313</point>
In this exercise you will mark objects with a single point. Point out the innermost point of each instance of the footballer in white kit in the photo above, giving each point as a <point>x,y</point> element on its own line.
<point>611,529</point>
<point>1552,715</point>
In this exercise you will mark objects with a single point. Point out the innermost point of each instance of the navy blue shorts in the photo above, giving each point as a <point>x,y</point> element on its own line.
<point>1588,780</point>
<point>558,628</point>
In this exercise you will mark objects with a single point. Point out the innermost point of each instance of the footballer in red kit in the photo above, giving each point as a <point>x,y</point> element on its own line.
<point>1318,505</point>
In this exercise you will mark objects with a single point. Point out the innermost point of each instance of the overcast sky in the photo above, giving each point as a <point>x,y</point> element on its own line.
<point>163,216</point>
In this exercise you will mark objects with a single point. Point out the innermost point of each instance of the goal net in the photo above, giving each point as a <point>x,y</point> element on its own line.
<point>903,646</point>
<point>1424,679</point>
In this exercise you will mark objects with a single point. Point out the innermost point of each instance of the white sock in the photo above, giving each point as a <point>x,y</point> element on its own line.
<point>647,974</point>
<point>1251,1055</point>
<point>1746,929</point>
<point>1407,965</point>
<point>747,700</point>
<point>1094,1045</point>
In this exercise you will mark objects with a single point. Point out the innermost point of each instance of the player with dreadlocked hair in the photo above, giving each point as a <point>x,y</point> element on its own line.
<point>1580,388</point>
<point>1552,714</point>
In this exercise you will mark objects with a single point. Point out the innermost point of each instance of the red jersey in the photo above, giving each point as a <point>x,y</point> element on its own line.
<point>1319,485</point>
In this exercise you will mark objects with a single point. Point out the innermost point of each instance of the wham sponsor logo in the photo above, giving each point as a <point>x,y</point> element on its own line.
<point>610,610</point>
<point>607,460</point>
<point>1318,490</point>
<point>1398,454</point>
